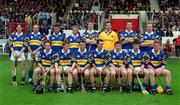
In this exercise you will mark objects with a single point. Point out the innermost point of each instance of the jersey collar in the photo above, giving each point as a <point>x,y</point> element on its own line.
<point>134,52</point>
<point>154,52</point>
<point>128,31</point>
<point>118,52</point>
<point>36,34</point>
<point>19,34</point>
<point>64,52</point>
<point>101,50</point>
<point>148,33</point>
<point>90,32</point>
<point>57,34</point>
<point>48,52</point>
<point>83,51</point>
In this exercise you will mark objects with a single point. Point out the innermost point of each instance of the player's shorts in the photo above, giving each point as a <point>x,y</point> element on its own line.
<point>29,56</point>
<point>65,68</point>
<point>158,69</point>
<point>100,68</point>
<point>21,58</point>
<point>137,69</point>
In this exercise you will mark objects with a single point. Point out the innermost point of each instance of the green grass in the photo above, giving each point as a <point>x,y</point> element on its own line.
<point>22,95</point>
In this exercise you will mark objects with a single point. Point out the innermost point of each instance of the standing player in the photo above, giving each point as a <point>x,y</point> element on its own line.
<point>90,36</point>
<point>149,38</point>
<point>98,66</point>
<point>128,37</point>
<point>109,37</point>
<point>137,64</point>
<point>57,38</point>
<point>45,64</point>
<point>157,67</point>
<point>81,64</point>
<point>75,38</point>
<point>18,43</point>
<point>35,40</point>
<point>65,64</point>
<point>119,60</point>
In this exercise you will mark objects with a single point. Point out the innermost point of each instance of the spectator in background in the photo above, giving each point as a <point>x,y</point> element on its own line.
<point>167,48</point>
<point>169,33</point>
<point>176,41</point>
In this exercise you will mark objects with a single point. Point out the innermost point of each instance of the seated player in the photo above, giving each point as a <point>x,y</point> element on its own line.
<point>119,60</point>
<point>98,65</point>
<point>137,64</point>
<point>157,67</point>
<point>18,43</point>
<point>65,64</point>
<point>80,64</point>
<point>44,66</point>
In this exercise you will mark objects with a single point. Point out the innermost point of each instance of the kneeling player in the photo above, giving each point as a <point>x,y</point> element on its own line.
<point>137,64</point>
<point>99,55</point>
<point>119,60</point>
<point>157,67</point>
<point>44,62</point>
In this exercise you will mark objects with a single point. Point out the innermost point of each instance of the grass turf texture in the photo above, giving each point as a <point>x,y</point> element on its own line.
<point>23,95</point>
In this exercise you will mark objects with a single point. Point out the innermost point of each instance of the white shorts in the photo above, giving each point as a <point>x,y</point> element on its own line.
<point>29,56</point>
<point>99,68</point>
<point>21,58</point>
<point>138,69</point>
<point>65,68</point>
<point>158,69</point>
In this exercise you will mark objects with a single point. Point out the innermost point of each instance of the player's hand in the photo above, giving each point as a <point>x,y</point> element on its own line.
<point>136,72</point>
<point>141,72</point>
<point>18,55</point>
<point>158,73</point>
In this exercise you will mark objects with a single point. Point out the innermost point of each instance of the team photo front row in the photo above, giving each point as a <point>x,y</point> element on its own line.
<point>113,69</point>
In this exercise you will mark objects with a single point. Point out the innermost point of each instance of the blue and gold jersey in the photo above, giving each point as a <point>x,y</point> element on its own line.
<point>57,41</point>
<point>65,58</point>
<point>74,42</point>
<point>81,58</point>
<point>17,42</point>
<point>149,38</point>
<point>156,61</point>
<point>99,57</point>
<point>93,35</point>
<point>136,60</point>
<point>46,59</point>
<point>35,40</point>
<point>119,58</point>
<point>127,36</point>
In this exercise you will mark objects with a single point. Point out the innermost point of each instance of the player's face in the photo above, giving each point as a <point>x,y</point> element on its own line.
<point>56,30</point>
<point>118,47</point>
<point>136,46</point>
<point>75,31</point>
<point>149,27</point>
<point>90,26</point>
<point>47,46</point>
<point>19,28</point>
<point>82,46</point>
<point>100,45</point>
<point>36,29</point>
<point>156,46</point>
<point>108,26</point>
<point>129,26</point>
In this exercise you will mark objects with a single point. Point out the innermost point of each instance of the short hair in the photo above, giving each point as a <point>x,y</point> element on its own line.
<point>157,42</point>
<point>136,41</point>
<point>117,42</point>
<point>47,41</point>
<point>66,42</point>
<point>83,41</point>
<point>99,40</point>
<point>19,25</point>
<point>107,22</point>
<point>56,25</point>
<point>90,21</point>
<point>75,26</point>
